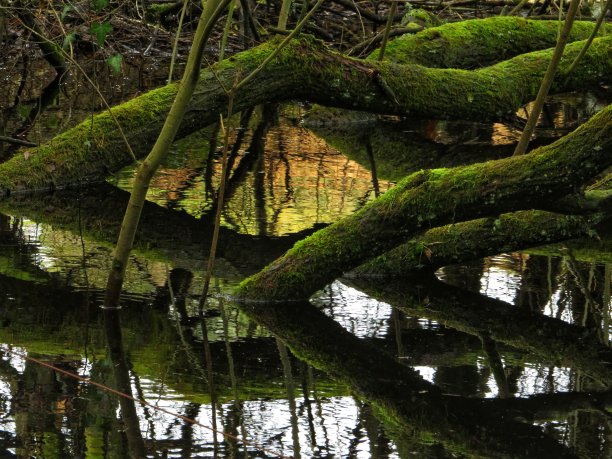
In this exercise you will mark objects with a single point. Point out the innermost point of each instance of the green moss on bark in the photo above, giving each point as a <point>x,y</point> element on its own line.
<point>477,43</point>
<point>306,70</point>
<point>428,199</point>
<point>474,239</point>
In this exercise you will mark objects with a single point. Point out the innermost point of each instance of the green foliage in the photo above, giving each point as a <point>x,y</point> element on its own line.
<point>100,31</point>
<point>114,62</point>
<point>67,9</point>
<point>99,5</point>
<point>68,40</point>
<point>23,110</point>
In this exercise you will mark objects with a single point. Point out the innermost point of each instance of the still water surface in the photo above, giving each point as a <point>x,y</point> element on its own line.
<point>224,382</point>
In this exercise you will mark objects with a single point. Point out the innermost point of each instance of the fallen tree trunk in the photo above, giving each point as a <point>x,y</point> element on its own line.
<point>470,240</point>
<point>465,241</point>
<point>433,198</point>
<point>305,70</point>
<point>473,44</point>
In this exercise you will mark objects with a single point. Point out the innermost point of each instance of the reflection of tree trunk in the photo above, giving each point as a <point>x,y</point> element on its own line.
<point>469,312</point>
<point>290,387</point>
<point>234,417</point>
<point>536,286</point>
<point>191,412</point>
<point>131,422</point>
<point>432,198</point>
<point>211,379</point>
<point>159,231</point>
<point>495,364</point>
<point>370,153</point>
<point>582,425</point>
<point>606,312</point>
<point>412,405</point>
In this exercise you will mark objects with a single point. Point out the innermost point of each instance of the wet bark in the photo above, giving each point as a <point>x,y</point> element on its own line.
<point>433,198</point>
<point>304,70</point>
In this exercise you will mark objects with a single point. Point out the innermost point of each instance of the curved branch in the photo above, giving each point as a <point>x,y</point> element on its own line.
<point>305,70</point>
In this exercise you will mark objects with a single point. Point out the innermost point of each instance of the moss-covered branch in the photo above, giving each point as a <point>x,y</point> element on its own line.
<point>474,44</point>
<point>465,241</point>
<point>433,198</point>
<point>305,70</point>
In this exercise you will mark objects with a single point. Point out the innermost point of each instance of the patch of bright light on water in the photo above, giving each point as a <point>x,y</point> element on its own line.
<point>544,379</point>
<point>427,373</point>
<point>360,314</point>
<point>554,308</point>
<point>499,280</point>
<point>13,356</point>
<point>327,427</point>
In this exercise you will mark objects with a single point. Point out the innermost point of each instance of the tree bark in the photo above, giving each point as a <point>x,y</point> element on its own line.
<point>465,241</point>
<point>432,198</point>
<point>304,70</point>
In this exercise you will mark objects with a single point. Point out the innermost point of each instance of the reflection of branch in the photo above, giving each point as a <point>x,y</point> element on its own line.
<point>580,280</point>
<point>549,406</point>
<point>114,342</point>
<point>473,313</point>
<point>412,404</point>
<point>495,363</point>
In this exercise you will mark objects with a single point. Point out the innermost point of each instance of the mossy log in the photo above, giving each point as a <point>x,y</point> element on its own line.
<point>473,44</point>
<point>465,241</point>
<point>432,198</point>
<point>306,70</point>
<point>552,339</point>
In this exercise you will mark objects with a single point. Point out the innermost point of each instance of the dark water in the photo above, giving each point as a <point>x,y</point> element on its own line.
<point>518,341</point>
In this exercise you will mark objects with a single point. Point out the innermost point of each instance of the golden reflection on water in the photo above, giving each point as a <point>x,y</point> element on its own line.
<point>298,182</point>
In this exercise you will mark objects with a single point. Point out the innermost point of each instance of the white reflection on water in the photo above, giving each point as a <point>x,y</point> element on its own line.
<point>500,279</point>
<point>331,428</point>
<point>360,314</point>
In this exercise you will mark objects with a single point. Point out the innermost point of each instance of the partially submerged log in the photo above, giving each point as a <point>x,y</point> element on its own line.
<point>433,198</point>
<point>305,70</point>
<point>470,240</point>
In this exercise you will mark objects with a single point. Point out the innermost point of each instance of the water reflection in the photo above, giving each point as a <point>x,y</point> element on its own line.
<point>300,181</point>
<point>507,357</point>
